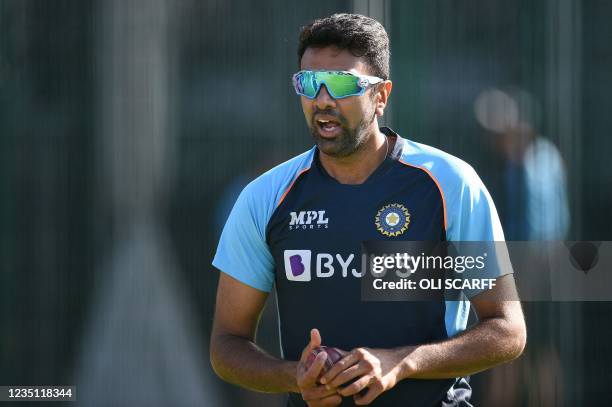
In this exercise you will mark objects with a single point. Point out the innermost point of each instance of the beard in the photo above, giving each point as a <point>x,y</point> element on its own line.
<point>348,140</point>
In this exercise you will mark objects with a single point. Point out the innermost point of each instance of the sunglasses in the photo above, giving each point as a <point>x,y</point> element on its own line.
<point>339,84</point>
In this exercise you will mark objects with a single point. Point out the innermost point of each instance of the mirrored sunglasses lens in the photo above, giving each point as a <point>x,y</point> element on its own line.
<point>338,84</point>
<point>342,85</point>
<point>305,84</point>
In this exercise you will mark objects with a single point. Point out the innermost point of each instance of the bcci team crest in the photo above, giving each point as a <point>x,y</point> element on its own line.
<point>392,220</point>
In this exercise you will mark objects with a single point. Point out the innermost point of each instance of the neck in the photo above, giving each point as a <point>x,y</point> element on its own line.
<point>357,167</point>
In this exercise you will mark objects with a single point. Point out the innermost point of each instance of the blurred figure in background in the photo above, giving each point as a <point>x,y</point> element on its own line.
<point>535,205</point>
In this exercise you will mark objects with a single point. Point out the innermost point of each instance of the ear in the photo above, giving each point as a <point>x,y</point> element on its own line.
<point>382,96</point>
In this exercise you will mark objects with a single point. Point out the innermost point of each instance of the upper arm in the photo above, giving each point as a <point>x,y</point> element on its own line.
<point>500,302</point>
<point>245,262</point>
<point>502,305</point>
<point>237,308</point>
<point>246,265</point>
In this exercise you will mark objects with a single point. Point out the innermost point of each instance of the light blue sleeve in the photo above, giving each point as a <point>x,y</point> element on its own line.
<point>243,252</point>
<point>470,215</point>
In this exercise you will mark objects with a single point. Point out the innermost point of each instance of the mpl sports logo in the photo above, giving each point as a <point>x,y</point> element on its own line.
<point>304,220</point>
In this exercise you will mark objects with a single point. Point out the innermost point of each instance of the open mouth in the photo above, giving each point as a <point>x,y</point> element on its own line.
<point>328,126</point>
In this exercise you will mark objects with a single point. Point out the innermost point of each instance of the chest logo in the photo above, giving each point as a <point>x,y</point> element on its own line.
<point>308,220</point>
<point>392,220</point>
<point>297,265</point>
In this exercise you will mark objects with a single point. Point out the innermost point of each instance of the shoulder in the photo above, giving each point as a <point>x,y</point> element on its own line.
<point>469,211</point>
<point>271,185</point>
<point>242,251</point>
<point>451,173</point>
<point>262,195</point>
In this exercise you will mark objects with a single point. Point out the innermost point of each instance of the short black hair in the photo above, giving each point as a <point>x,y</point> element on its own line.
<point>362,36</point>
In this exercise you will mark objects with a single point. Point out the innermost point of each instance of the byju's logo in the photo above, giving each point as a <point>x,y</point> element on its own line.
<point>308,220</point>
<point>297,265</point>
<point>302,265</point>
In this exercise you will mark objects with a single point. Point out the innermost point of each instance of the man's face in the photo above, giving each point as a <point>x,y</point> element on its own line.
<point>347,119</point>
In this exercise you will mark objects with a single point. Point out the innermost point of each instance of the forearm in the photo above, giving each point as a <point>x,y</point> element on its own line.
<point>240,361</point>
<point>491,342</point>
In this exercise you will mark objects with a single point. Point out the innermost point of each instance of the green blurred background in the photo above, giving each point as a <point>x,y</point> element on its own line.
<point>127,128</point>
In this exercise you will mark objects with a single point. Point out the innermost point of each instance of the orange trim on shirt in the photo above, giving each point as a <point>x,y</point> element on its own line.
<point>291,186</point>
<point>437,184</point>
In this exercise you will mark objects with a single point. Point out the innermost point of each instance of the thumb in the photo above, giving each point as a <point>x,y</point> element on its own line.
<point>315,338</point>
<point>315,341</point>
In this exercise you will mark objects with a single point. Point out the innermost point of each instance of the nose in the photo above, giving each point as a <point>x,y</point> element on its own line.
<point>324,100</point>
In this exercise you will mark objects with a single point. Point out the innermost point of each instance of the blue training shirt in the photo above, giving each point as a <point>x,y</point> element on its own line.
<point>299,230</point>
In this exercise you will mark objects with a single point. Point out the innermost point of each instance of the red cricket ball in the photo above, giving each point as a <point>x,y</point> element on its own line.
<point>333,355</point>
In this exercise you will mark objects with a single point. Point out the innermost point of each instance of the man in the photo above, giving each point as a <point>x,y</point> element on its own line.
<point>299,228</point>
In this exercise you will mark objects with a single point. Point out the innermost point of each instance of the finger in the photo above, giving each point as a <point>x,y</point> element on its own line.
<point>317,392</point>
<point>329,401</point>
<point>315,341</point>
<point>356,386</point>
<point>349,374</point>
<point>369,396</point>
<point>341,365</point>
<point>343,353</point>
<point>308,377</point>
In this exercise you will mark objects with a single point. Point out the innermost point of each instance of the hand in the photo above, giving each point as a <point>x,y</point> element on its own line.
<point>314,394</point>
<point>377,370</point>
